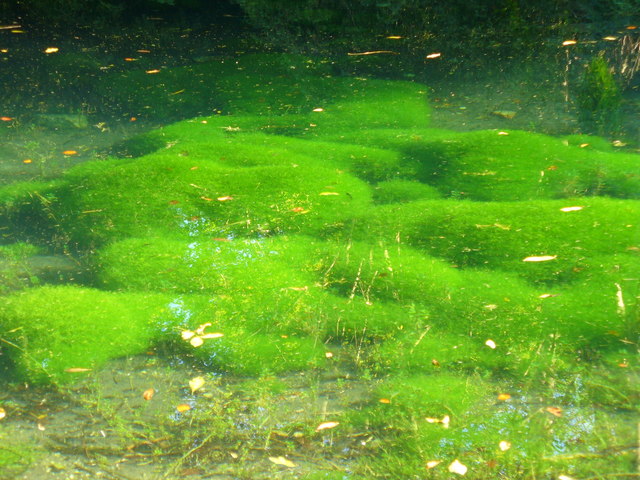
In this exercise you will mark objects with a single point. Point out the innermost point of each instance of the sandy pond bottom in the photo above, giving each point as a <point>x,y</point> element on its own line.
<point>109,426</point>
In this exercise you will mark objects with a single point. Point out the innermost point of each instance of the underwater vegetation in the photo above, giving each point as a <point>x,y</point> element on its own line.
<point>599,99</point>
<point>485,284</point>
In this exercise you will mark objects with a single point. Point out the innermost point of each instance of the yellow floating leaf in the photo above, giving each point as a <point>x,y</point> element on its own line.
<point>155,70</point>
<point>547,295</point>
<point>148,393</point>
<point>282,461</point>
<point>70,152</point>
<point>457,467</point>
<point>200,329</point>
<point>569,42</point>
<point>540,258</point>
<point>196,342</point>
<point>504,445</point>
<point>329,193</point>
<point>571,209</point>
<point>374,52</point>
<point>183,407</point>
<point>565,477</point>
<point>433,463</point>
<point>433,55</point>
<point>610,38</point>
<point>51,50</point>
<point>328,355</point>
<point>77,370</point>
<point>225,198</point>
<point>3,413</point>
<point>491,344</point>
<point>187,334</point>
<point>384,400</point>
<point>394,37</point>
<point>196,384</point>
<point>504,396</point>
<point>319,109</point>
<point>503,133</point>
<point>444,420</point>
<point>327,426</point>
<point>212,335</point>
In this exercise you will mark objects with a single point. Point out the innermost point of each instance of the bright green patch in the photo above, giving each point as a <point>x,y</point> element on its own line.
<point>54,329</point>
<point>543,241</point>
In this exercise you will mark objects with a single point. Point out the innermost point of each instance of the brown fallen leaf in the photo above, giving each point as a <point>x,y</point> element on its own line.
<point>556,411</point>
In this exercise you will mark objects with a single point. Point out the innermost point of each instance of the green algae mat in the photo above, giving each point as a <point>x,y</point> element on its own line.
<point>468,302</point>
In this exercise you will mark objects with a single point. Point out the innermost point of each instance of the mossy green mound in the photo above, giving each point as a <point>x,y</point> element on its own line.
<point>54,330</point>
<point>403,191</point>
<point>543,241</point>
<point>516,165</point>
<point>226,339</point>
<point>273,285</point>
<point>228,147</point>
<point>163,196</point>
<point>495,165</point>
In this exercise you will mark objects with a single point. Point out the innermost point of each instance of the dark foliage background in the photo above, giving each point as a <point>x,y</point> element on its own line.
<point>336,16</point>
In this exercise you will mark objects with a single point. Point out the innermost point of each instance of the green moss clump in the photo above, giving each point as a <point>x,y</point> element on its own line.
<point>210,266</point>
<point>274,285</point>
<point>501,235</point>
<point>53,329</point>
<point>180,197</point>
<point>402,191</point>
<point>590,142</point>
<point>493,166</point>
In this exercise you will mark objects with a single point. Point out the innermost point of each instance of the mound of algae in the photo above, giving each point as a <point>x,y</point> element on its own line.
<point>319,209</point>
<point>303,214</point>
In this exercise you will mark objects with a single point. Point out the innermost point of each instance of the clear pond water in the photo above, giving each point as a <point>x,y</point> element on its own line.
<point>221,260</point>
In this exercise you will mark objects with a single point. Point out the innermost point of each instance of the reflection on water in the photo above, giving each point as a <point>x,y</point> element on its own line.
<point>311,278</point>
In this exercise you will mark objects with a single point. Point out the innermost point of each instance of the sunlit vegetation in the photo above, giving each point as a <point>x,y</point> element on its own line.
<point>311,280</point>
